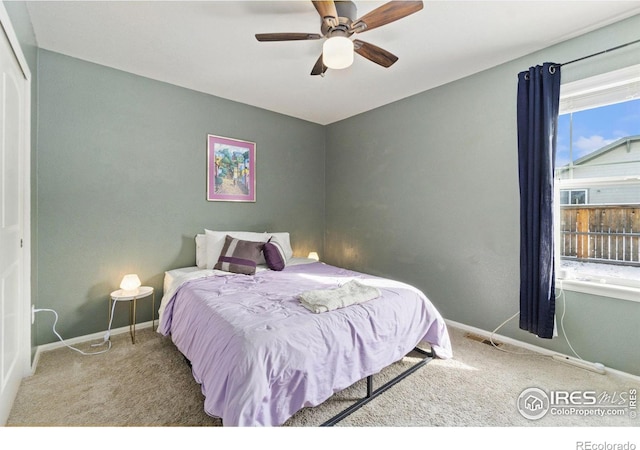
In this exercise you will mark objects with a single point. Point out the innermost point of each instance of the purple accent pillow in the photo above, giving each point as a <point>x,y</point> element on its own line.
<point>238,256</point>
<point>274,254</point>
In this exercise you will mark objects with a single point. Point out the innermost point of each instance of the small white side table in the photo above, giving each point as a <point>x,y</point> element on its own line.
<point>127,296</point>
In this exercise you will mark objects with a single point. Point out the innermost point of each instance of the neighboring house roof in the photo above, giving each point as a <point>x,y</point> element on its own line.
<point>583,162</point>
<point>627,141</point>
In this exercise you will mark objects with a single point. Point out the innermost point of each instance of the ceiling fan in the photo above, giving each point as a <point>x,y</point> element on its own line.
<point>339,23</point>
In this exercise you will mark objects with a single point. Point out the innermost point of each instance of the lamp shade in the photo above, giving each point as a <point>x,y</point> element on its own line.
<point>130,282</point>
<point>314,255</point>
<point>337,52</point>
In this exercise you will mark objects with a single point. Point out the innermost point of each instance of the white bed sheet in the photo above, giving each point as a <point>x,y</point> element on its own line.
<point>174,278</point>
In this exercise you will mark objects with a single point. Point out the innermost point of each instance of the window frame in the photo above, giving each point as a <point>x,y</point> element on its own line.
<point>593,92</point>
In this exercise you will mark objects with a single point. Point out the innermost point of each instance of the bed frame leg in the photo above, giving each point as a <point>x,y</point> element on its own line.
<point>371,394</point>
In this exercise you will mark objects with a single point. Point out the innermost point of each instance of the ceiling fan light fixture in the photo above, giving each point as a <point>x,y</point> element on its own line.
<point>337,52</point>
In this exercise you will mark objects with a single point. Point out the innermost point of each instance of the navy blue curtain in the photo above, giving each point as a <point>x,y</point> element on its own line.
<point>538,102</point>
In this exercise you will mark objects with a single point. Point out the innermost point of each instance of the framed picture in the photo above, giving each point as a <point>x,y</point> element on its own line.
<point>231,170</point>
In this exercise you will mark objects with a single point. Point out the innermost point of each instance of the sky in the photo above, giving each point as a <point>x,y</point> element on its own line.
<point>596,128</point>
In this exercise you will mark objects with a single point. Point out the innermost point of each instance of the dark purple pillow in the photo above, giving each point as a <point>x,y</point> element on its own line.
<point>274,255</point>
<point>239,256</point>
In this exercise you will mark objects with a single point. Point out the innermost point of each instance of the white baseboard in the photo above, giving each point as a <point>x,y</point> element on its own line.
<point>81,339</point>
<point>527,346</point>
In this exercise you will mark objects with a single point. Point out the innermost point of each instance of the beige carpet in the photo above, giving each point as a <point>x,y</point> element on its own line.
<point>149,384</point>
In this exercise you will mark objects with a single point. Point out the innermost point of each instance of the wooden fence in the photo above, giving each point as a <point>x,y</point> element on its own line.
<point>604,234</point>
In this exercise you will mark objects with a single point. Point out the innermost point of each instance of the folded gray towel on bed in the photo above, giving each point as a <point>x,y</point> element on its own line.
<point>350,293</point>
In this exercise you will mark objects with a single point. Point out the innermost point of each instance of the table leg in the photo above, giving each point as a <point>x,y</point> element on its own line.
<point>131,319</point>
<point>133,336</point>
<point>153,311</point>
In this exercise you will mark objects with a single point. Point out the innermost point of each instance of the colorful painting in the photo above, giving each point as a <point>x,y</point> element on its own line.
<point>231,170</point>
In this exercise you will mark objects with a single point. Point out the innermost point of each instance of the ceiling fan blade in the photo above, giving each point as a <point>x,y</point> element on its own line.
<point>387,13</point>
<point>273,37</point>
<point>374,53</point>
<point>327,11</point>
<point>319,68</point>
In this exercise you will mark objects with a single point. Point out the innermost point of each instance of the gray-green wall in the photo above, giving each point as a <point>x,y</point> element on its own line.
<point>122,185</point>
<point>426,190</point>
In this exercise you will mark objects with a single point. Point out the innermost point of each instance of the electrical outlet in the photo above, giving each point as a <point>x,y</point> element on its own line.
<point>33,314</point>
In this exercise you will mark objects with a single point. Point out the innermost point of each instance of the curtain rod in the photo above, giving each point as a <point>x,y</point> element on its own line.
<point>600,53</point>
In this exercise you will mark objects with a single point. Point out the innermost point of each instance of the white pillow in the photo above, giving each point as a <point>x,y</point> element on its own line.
<point>201,251</point>
<point>215,242</point>
<point>285,241</point>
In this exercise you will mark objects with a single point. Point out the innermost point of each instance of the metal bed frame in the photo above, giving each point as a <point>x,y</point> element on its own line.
<point>371,394</point>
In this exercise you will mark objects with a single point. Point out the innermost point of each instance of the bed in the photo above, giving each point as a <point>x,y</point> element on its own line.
<point>260,354</point>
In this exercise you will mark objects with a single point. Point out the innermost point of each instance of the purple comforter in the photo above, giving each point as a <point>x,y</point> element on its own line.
<point>260,356</point>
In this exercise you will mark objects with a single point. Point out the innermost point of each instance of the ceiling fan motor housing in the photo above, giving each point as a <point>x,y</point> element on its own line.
<point>347,13</point>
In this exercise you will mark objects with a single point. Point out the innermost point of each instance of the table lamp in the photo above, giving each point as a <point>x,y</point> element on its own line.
<point>130,283</point>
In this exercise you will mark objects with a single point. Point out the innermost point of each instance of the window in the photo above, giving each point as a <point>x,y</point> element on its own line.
<point>573,196</point>
<point>598,180</point>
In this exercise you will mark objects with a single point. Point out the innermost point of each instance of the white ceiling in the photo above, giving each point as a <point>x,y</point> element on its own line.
<point>209,46</point>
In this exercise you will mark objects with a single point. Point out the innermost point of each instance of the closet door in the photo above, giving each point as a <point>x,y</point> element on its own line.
<point>13,126</point>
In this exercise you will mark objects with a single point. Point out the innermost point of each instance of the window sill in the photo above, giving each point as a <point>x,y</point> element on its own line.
<point>600,288</point>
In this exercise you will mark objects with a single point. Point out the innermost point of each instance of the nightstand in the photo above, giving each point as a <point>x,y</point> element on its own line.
<point>132,296</point>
